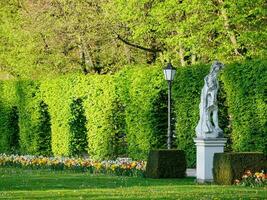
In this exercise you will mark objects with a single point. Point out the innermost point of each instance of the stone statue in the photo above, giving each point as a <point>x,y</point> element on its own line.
<point>208,126</point>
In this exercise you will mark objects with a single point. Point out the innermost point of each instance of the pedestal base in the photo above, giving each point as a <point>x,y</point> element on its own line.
<point>205,152</point>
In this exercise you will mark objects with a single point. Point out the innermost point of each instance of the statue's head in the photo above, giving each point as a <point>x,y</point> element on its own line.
<point>216,66</point>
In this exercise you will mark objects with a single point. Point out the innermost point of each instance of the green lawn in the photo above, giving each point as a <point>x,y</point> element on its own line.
<point>45,184</point>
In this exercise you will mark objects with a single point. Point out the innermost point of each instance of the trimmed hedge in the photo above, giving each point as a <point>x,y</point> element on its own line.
<point>97,111</point>
<point>34,119</point>
<point>140,91</point>
<point>230,166</point>
<point>126,114</point>
<point>245,87</point>
<point>166,164</point>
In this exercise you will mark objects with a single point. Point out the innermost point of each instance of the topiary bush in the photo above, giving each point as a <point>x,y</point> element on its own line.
<point>228,167</point>
<point>166,164</point>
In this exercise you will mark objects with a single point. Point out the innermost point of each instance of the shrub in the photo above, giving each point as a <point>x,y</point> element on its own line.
<point>245,87</point>
<point>83,107</point>
<point>9,129</point>
<point>166,164</point>
<point>140,91</point>
<point>58,95</point>
<point>230,166</point>
<point>34,120</point>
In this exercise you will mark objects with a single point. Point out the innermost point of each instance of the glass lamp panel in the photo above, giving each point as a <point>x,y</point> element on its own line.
<point>167,74</point>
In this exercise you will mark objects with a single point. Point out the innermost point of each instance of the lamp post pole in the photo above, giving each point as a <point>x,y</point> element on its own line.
<point>169,116</point>
<point>169,73</point>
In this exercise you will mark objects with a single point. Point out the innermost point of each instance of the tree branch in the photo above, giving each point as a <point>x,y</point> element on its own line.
<point>137,46</point>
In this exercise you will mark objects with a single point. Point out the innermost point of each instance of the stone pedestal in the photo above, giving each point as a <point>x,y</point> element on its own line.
<point>205,152</point>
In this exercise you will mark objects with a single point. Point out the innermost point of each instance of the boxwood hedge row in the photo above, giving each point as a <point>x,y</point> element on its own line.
<point>125,114</point>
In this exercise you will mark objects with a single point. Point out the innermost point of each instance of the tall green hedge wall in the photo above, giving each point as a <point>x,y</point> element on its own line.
<point>125,114</point>
<point>246,90</point>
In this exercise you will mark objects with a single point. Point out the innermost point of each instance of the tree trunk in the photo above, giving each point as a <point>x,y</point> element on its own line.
<point>181,55</point>
<point>228,28</point>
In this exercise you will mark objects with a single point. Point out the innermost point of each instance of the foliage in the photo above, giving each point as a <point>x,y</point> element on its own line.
<point>245,85</point>
<point>186,96</point>
<point>44,38</point>
<point>95,111</point>
<point>116,167</point>
<point>141,95</point>
<point>34,119</point>
<point>9,128</point>
<point>227,167</point>
<point>125,115</point>
<point>166,163</point>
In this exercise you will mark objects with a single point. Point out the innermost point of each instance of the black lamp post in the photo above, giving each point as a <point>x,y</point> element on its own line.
<point>169,73</point>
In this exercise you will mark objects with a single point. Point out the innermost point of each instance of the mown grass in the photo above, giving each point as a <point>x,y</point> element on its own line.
<point>44,184</point>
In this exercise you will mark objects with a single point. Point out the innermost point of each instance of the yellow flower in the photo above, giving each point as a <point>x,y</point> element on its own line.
<point>133,164</point>
<point>113,167</point>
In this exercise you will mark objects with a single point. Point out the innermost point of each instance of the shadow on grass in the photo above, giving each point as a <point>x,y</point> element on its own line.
<point>18,179</point>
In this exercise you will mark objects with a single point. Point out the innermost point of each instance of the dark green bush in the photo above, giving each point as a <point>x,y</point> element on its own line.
<point>230,166</point>
<point>78,129</point>
<point>9,129</point>
<point>166,164</point>
<point>245,87</point>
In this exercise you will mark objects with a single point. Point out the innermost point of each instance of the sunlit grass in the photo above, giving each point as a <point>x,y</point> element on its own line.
<point>45,184</point>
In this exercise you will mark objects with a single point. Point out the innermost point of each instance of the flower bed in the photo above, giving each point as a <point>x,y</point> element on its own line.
<point>259,179</point>
<point>120,167</point>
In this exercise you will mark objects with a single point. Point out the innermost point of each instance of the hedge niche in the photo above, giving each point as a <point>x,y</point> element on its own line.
<point>140,90</point>
<point>9,129</point>
<point>186,96</point>
<point>79,143</point>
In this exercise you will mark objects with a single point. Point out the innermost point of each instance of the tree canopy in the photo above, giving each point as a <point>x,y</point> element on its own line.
<point>46,37</point>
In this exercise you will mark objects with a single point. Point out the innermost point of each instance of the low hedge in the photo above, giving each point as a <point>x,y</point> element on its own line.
<point>165,163</point>
<point>228,167</point>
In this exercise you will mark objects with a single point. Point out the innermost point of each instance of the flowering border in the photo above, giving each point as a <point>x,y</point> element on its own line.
<point>119,167</point>
<point>258,179</point>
